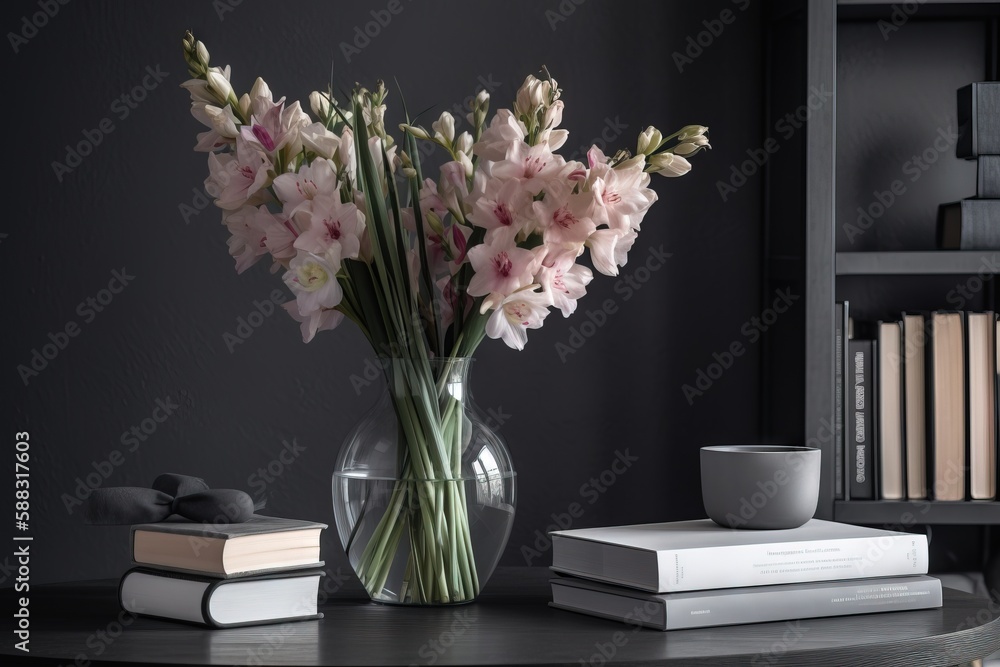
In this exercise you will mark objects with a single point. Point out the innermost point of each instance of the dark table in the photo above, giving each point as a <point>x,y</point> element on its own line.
<point>81,624</point>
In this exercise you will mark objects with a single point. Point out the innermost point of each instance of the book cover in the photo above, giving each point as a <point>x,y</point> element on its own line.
<point>914,410</point>
<point>860,426</point>
<point>189,598</point>
<point>202,535</point>
<point>841,319</point>
<point>970,224</point>
<point>981,404</point>
<point>946,427</point>
<point>978,120</point>
<point>988,177</point>
<point>891,466</point>
<point>703,609</point>
<point>700,555</point>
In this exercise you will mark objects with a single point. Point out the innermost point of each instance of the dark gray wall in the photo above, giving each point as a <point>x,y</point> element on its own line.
<point>161,338</point>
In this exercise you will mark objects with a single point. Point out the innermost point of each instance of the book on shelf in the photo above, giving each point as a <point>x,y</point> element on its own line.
<point>978,120</point>
<point>841,320</point>
<point>988,177</point>
<point>891,466</point>
<point>970,224</point>
<point>221,603</point>
<point>261,545</point>
<point>981,345</point>
<point>700,555</point>
<point>861,466</point>
<point>914,401</point>
<point>946,404</point>
<point>757,604</point>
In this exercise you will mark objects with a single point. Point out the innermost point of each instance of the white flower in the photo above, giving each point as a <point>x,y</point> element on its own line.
<point>319,320</point>
<point>218,82</point>
<point>522,310</point>
<point>239,180</point>
<point>649,140</point>
<point>316,138</point>
<point>314,282</point>
<point>668,164</point>
<point>315,179</point>
<point>564,282</point>
<point>444,128</point>
<point>320,104</point>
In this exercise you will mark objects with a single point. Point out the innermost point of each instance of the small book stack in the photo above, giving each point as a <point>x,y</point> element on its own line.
<point>266,570</point>
<point>974,223</point>
<point>695,574</point>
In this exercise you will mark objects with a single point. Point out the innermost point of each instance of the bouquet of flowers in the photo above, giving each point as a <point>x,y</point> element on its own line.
<point>425,267</point>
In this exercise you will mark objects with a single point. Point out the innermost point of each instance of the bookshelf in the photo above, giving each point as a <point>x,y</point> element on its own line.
<point>889,98</point>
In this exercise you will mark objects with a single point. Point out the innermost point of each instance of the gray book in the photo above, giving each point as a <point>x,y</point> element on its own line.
<point>988,177</point>
<point>703,609</point>
<point>970,224</point>
<point>701,555</point>
<point>261,545</point>
<point>978,120</point>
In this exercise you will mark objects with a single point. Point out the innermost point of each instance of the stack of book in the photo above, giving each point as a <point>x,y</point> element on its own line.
<point>919,401</point>
<point>266,570</point>
<point>974,223</point>
<point>693,574</point>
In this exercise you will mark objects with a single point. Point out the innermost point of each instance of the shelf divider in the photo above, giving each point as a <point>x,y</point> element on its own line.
<point>896,514</point>
<point>918,263</point>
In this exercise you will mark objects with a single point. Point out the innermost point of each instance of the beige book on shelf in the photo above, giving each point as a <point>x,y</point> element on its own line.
<point>914,402</point>
<point>946,405</point>
<point>890,407</point>
<point>982,405</point>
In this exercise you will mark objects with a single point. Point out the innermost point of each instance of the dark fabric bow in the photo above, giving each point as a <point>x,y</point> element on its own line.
<point>171,494</point>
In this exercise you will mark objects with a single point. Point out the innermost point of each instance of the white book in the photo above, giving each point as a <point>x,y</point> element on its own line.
<point>701,555</point>
<point>703,609</point>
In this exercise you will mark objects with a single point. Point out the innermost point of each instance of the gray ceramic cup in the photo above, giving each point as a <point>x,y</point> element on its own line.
<point>760,486</point>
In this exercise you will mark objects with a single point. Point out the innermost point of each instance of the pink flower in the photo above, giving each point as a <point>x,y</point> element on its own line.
<point>499,209</point>
<point>621,193</point>
<point>609,249</point>
<point>504,131</point>
<point>533,166</point>
<point>331,228</point>
<point>499,269</point>
<point>313,280</point>
<point>564,282</point>
<point>317,178</point>
<point>522,310</point>
<point>238,180</point>
<point>565,217</point>
<point>319,320</point>
<point>246,243</point>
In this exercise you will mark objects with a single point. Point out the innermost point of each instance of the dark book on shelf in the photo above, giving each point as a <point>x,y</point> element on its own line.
<point>221,603</point>
<point>988,177</point>
<point>970,224</point>
<point>756,604</point>
<point>978,120</point>
<point>840,410</point>
<point>891,466</point>
<point>946,405</point>
<point>981,414</point>
<point>861,424</point>
<point>914,405</point>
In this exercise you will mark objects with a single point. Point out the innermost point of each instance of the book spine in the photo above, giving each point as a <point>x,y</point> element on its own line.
<point>988,177</point>
<point>860,427</point>
<point>840,340</point>
<point>915,406</point>
<point>706,568</point>
<point>891,465</point>
<point>765,605</point>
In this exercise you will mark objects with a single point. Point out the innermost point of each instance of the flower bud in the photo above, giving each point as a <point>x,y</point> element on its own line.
<point>260,90</point>
<point>553,115</point>
<point>691,131</point>
<point>444,128</point>
<point>320,104</point>
<point>202,53</point>
<point>691,146</point>
<point>218,82</point>
<point>649,140</point>
<point>668,164</point>
<point>463,143</point>
<point>416,131</point>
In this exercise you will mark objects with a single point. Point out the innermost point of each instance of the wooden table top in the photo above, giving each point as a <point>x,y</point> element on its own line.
<point>81,624</point>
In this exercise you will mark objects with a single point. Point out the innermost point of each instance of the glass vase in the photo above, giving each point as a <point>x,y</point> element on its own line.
<point>424,489</point>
